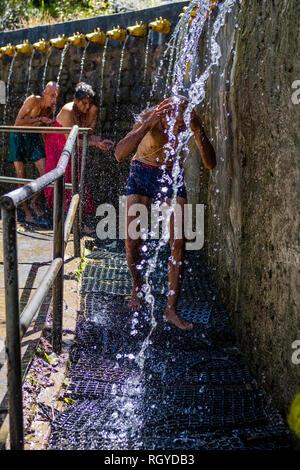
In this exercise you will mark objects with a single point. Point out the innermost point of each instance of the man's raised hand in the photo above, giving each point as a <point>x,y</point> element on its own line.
<point>158,112</point>
<point>105,145</point>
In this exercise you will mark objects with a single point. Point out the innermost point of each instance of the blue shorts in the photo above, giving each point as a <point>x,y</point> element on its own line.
<point>152,181</point>
<point>25,147</point>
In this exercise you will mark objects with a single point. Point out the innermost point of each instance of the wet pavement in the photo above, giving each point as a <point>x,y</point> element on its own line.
<point>190,390</point>
<point>34,255</point>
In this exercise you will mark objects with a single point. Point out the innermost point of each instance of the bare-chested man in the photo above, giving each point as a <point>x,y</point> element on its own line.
<point>23,148</point>
<point>151,178</point>
<point>82,112</point>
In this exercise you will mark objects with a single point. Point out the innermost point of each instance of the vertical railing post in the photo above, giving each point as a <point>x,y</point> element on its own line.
<point>13,346</point>
<point>58,252</point>
<point>75,190</point>
<point>82,176</point>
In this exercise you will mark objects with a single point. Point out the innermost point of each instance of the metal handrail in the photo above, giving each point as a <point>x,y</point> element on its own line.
<point>43,129</point>
<point>16,325</point>
<point>12,179</point>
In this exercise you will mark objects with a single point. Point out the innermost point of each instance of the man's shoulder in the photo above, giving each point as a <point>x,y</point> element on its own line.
<point>33,99</point>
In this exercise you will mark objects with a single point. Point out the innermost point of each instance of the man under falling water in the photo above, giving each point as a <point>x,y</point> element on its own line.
<point>150,177</point>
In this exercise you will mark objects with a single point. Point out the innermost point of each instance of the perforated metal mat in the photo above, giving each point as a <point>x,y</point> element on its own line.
<point>140,386</point>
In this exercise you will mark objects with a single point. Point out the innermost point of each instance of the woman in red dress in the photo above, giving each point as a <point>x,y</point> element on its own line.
<point>82,112</point>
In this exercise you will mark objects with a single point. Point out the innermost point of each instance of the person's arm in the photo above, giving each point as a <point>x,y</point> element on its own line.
<point>92,117</point>
<point>147,120</point>
<point>23,118</point>
<point>206,149</point>
<point>94,140</point>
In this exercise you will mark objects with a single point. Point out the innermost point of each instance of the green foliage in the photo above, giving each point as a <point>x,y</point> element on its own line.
<point>24,13</point>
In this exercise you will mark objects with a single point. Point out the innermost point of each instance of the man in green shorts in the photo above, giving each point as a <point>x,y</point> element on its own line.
<point>24,148</point>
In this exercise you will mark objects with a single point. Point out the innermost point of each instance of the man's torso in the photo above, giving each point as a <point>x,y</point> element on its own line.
<point>152,150</point>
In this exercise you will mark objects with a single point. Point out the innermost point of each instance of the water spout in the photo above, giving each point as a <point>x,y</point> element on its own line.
<point>78,40</point>
<point>117,33</point>
<point>97,37</point>
<point>8,50</point>
<point>42,45</point>
<point>139,30</point>
<point>59,42</point>
<point>25,48</point>
<point>160,25</point>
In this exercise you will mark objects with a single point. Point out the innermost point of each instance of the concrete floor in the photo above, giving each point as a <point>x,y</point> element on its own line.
<point>35,255</point>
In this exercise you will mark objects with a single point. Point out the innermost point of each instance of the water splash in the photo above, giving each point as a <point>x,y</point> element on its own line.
<point>83,60</point>
<point>187,45</point>
<point>46,66</point>
<point>29,73</point>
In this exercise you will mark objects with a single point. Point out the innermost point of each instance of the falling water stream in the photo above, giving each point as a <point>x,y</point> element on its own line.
<point>195,91</point>
<point>66,47</point>
<point>46,66</point>
<point>83,60</point>
<point>102,74</point>
<point>11,67</point>
<point>29,73</point>
<point>149,37</point>
<point>120,71</point>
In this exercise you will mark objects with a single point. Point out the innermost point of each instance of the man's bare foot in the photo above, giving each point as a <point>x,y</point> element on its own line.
<point>174,319</point>
<point>88,230</point>
<point>36,210</point>
<point>29,219</point>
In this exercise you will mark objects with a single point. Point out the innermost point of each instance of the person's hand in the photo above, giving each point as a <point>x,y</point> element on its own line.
<point>46,120</point>
<point>158,112</point>
<point>195,122</point>
<point>105,145</point>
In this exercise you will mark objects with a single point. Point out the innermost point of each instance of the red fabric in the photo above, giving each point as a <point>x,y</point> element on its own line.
<point>54,144</point>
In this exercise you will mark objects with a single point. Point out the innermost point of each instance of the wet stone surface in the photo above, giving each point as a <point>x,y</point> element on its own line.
<point>194,389</point>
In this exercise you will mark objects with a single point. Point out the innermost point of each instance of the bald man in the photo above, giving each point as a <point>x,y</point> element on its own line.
<point>24,148</point>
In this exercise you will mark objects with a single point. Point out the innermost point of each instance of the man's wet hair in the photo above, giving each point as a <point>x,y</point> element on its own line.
<point>52,85</point>
<point>83,90</point>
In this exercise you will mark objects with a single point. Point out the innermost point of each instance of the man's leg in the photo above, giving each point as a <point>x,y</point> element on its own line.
<point>41,167</point>
<point>133,251</point>
<point>175,268</point>
<point>20,171</point>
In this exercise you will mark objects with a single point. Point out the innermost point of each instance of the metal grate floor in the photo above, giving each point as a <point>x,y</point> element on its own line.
<point>194,389</point>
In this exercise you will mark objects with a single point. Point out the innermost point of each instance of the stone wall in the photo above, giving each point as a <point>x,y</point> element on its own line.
<point>252,196</point>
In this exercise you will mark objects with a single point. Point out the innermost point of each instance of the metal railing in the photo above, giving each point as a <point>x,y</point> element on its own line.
<point>16,325</point>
